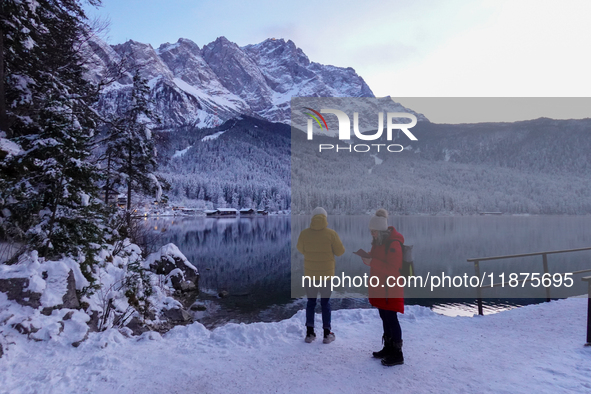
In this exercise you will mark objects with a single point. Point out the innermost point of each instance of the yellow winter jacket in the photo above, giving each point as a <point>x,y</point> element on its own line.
<point>319,245</point>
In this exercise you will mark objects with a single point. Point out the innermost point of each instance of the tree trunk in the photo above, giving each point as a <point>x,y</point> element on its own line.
<point>129,174</point>
<point>3,121</point>
<point>56,203</point>
<point>107,186</point>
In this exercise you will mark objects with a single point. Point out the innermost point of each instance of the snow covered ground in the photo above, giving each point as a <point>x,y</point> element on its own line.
<point>533,349</point>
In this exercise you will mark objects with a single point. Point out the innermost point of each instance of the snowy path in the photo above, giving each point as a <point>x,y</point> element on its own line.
<point>537,348</point>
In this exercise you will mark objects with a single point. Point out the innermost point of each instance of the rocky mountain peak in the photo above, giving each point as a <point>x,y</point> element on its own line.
<point>220,42</point>
<point>204,87</point>
<point>185,61</point>
<point>144,57</point>
<point>183,44</point>
<point>238,73</point>
<point>277,49</point>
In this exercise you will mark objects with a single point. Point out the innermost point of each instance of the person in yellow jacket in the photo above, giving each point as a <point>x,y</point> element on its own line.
<point>319,245</point>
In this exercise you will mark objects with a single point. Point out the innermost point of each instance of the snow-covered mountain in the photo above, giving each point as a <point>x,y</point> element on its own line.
<point>203,87</point>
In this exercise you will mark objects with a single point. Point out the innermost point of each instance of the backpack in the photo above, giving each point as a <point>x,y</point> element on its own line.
<point>408,267</point>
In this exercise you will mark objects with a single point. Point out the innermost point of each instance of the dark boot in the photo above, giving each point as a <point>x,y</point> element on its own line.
<point>310,335</point>
<point>385,350</point>
<point>395,356</point>
<point>328,336</point>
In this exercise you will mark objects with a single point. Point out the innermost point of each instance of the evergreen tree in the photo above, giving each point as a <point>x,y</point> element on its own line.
<point>279,201</point>
<point>130,153</point>
<point>49,199</point>
<point>16,63</point>
<point>264,202</point>
<point>235,200</point>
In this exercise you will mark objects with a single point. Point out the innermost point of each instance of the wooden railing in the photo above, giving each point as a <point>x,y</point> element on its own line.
<point>544,255</point>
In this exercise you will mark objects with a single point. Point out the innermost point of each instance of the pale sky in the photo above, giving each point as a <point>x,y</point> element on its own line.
<point>402,48</point>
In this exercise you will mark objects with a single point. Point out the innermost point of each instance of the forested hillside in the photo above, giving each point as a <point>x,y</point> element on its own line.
<point>533,167</point>
<point>243,163</point>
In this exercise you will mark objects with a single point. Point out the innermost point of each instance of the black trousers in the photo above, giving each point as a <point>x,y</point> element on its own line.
<point>391,324</point>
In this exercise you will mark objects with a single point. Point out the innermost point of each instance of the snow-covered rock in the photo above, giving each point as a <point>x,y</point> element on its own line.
<point>17,289</point>
<point>8,148</point>
<point>170,261</point>
<point>39,298</point>
<point>46,284</point>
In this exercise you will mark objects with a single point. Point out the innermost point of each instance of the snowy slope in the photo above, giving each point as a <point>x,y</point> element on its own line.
<point>533,349</point>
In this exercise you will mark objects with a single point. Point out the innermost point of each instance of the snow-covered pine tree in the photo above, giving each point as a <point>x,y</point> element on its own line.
<point>130,151</point>
<point>264,204</point>
<point>235,200</point>
<point>279,201</point>
<point>49,196</point>
<point>16,41</point>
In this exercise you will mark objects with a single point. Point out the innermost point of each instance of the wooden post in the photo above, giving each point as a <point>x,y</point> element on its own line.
<point>478,290</point>
<point>588,280</point>
<point>545,260</point>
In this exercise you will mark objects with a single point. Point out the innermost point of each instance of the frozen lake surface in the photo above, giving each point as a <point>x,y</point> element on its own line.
<point>250,258</point>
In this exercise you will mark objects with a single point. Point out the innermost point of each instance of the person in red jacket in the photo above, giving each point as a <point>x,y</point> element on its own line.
<point>386,261</point>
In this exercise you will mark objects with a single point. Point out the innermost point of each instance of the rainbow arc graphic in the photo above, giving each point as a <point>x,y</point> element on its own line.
<point>316,118</point>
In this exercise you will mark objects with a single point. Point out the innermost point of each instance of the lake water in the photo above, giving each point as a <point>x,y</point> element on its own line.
<point>251,258</point>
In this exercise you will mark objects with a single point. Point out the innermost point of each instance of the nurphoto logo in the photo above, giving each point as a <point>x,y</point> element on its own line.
<point>345,129</point>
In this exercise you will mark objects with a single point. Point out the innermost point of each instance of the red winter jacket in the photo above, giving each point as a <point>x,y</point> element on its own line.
<point>382,266</point>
